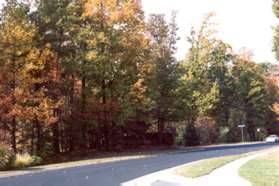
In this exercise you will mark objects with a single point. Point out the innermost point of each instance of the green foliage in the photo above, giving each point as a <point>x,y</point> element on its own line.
<point>79,75</point>
<point>223,132</point>
<point>37,160</point>
<point>6,158</point>
<point>26,160</point>
<point>164,79</point>
<point>191,137</point>
<point>276,30</point>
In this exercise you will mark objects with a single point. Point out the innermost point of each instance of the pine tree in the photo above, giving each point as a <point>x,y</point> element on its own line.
<point>165,77</point>
<point>16,35</point>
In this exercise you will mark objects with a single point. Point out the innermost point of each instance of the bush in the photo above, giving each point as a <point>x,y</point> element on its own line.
<point>26,160</point>
<point>191,137</point>
<point>207,130</point>
<point>37,160</point>
<point>23,160</point>
<point>223,134</point>
<point>7,157</point>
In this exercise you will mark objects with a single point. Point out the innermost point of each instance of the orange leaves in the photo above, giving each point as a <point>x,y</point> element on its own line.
<point>275,108</point>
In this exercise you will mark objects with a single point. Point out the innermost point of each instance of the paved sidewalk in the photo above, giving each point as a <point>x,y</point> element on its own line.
<point>224,176</point>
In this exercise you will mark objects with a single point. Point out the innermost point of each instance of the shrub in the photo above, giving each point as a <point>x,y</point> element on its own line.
<point>223,134</point>
<point>23,160</point>
<point>207,130</point>
<point>6,157</point>
<point>37,160</point>
<point>26,160</point>
<point>191,137</point>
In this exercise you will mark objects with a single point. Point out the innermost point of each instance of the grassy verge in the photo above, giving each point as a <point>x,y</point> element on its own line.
<point>73,160</point>
<point>262,171</point>
<point>205,167</point>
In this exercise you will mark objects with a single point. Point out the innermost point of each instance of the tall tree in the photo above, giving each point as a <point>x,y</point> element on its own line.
<point>250,93</point>
<point>275,8</point>
<point>200,95</point>
<point>117,51</point>
<point>163,47</point>
<point>16,34</point>
<point>58,24</point>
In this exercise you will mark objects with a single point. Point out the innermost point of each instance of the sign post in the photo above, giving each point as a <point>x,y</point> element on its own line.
<point>242,134</point>
<point>258,132</point>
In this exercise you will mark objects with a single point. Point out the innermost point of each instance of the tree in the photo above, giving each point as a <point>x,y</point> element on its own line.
<point>16,35</point>
<point>275,8</point>
<point>36,104</point>
<point>199,94</point>
<point>219,73</point>
<point>118,49</point>
<point>250,93</point>
<point>58,24</point>
<point>165,77</point>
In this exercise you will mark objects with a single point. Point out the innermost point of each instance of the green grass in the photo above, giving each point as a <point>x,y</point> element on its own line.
<point>262,171</point>
<point>205,167</point>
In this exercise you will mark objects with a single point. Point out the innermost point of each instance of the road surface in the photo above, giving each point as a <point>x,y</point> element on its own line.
<point>113,174</point>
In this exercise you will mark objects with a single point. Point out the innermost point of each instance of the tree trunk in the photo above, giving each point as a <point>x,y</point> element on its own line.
<point>14,135</point>
<point>55,138</point>
<point>105,121</point>
<point>72,132</point>
<point>251,132</point>
<point>161,128</point>
<point>191,137</point>
<point>83,111</point>
<point>32,140</point>
<point>14,125</point>
<point>39,137</point>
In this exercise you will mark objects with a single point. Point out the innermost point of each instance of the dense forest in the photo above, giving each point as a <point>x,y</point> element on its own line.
<point>80,75</point>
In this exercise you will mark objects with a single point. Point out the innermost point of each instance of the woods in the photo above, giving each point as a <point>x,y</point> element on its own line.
<point>80,75</point>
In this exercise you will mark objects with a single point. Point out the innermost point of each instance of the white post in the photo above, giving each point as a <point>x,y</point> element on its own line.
<point>242,135</point>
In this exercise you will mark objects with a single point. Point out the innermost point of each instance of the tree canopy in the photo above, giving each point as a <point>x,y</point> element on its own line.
<point>81,75</point>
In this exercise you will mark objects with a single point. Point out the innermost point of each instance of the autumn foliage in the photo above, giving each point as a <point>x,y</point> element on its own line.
<point>82,75</point>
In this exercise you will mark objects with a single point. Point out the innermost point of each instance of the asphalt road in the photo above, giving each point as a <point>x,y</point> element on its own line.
<point>113,174</point>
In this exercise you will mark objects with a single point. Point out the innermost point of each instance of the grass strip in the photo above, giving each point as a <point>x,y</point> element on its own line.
<point>205,167</point>
<point>262,171</point>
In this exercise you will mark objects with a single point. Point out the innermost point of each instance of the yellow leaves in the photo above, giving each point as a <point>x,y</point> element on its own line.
<point>92,42</point>
<point>139,87</point>
<point>91,56</point>
<point>21,34</point>
<point>112,11</point>
<point>137,93</point>
<point>275,108</point>
<point>147,68</point>
<point>98,7</point>
<point>90,8</point>
<point>130,7</point>
<point>101,37</point>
